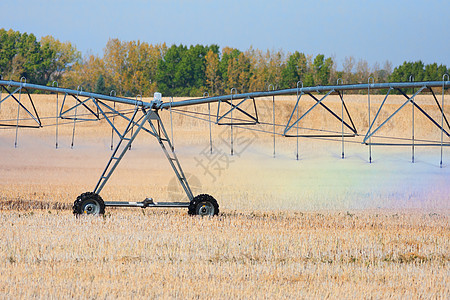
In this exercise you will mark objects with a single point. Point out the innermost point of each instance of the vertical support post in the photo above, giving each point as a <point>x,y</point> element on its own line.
<point>79,89</point>
<point>73,130</point>
<point>341,95</point>
<point>113,118</point>
<point>368,107</point>
<point>273,116</point>
<point>57,110</point>
<point>231,123</point>
<point>206,94</point>
<point>297,114</point>
<point>135,108</point>
<point>171,123</point>
<point>411,79</point>
<point>18,111</point>
<point>442,120</point>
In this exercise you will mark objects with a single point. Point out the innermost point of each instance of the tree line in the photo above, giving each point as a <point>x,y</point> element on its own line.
<point>40,62</point>
<point>132,68</point>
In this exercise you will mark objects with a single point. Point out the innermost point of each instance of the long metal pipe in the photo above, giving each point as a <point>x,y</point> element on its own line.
<point>75,92</point>
<point>293,91</point>
<point>167,105</point>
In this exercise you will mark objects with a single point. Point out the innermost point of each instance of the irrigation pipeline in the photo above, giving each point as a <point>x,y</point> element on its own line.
<point>13,87</point>
<point>309,90</point>
<point>57,90</point>
<point>99,107</point>
<point>281,92</point>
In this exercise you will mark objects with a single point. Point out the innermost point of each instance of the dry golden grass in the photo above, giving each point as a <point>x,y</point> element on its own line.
<point>167,254</point>
<point>310,229</point>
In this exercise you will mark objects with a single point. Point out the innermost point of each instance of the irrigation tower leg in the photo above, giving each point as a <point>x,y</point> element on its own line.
<point>166,145</point>
<point>120,150</point>
<point>157,130</point>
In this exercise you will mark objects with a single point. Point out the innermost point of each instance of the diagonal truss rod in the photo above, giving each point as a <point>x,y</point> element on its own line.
<point>371,132</point>
<point>79,103</point>
<point>425,113</point>
<point>34,116</point>
<point>236,107</point>
<point>440,108</point>
<point>289,126</point>
<point>115,113</point>
<point>353,128</point>
<point>308,111</point>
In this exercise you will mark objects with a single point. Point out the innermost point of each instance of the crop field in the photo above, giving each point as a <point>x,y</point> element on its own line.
<point>317,227</point>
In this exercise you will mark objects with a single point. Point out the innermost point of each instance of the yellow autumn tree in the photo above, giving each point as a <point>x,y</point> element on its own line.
<point>84,74</point>
<point>212,68</point>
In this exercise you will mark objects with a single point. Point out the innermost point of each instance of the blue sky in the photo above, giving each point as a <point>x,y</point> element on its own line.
<point>372,30</point>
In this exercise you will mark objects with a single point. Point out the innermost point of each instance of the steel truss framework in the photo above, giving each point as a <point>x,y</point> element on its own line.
<point>145,116</point>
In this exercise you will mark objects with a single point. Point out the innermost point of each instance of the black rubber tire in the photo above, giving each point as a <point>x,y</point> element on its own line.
<point>203,205</point>
<point>89,204</point>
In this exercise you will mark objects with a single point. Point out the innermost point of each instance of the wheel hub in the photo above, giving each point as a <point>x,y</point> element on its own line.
<point>205,209</point>
<point>92,208</point>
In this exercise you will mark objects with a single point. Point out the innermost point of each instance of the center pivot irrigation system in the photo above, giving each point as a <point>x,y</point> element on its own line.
<point>145,116</point>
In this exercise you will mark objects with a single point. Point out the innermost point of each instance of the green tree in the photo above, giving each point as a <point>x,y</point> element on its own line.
<point>296,70</point>
<point>322,69</point>
<point>100,87</point>
<point>22,55</point>
<point>433,72</point>
<point>182,70</point>
<point>402,73</point>
<point>418,71</point>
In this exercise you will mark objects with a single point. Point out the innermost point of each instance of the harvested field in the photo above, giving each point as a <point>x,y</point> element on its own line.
<point>167,254</point>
